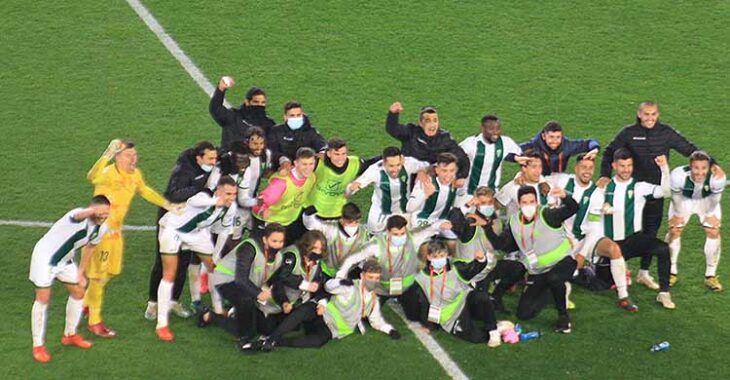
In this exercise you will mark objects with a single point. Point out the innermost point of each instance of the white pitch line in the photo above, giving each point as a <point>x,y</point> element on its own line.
<point>38,224</point>
<point>431,345</point>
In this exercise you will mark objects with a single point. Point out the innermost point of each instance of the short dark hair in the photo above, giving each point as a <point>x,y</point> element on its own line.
<point>425,110</point>
<point>622,154</point>
<point>307,240</point>
<point>699,155</point>
<point>273,228</point>
<point>391,151</point>
<point>372,266</point>
<point>100,200</point>
<point>446,158</point>
<point>305,152</point>
<point>254,91</point>
<point>291,105</point>
<point>552,126</point>
<point>336,143</point>
<point>240,147</point>
<point>582,157</point>
<point>490,119</point>
<point>436,245</point>
<point>396,222</point>
<point>525,190</point>
<point>226,180</point>
<point>351,211</point>
<point>201,147</point>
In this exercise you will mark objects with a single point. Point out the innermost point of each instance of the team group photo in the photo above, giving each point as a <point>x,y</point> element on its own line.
<point>198,191</point>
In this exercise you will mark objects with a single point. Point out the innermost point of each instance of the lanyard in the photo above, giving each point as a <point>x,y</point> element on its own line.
<point>266,265</point>
<point>362,298</point>
<point>532,232</point>
<point>560,161</point>
<point>443,285</point>
<point>390,257</point>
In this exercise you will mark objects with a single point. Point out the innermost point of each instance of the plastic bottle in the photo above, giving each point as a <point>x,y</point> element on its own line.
<point>660,347</point>
<point>530,336</point>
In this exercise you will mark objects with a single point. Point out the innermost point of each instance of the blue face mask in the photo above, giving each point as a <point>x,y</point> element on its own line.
<point>486,210</point>
<point>439,263</point>
<point>206,168</point>
<point>295,122</point>
<point>398,241</point>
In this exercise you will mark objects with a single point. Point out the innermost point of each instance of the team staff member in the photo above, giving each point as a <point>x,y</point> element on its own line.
<point>235,122</point>
<point>537,232</point>
<point>426,140</point>
<point>188,178</point>
<point>296,132</point>
<point>119,182</point>
<point>646,139</point>
<point>284,198</point>
<point>334,172</point>
<point>555,149</point>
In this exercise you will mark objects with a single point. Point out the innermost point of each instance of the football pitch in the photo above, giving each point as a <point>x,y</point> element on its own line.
<point>76,74</point>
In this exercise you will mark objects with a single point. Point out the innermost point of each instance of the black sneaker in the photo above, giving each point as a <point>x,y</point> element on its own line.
<point>202,322</point>
<point>268,345</point>
<point>564,325</point>
<point>246,346</point>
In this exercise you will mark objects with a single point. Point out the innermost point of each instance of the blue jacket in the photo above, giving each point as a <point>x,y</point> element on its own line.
<point>556,161</point>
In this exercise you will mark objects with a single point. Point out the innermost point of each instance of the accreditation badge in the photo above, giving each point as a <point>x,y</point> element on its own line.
<point>434,314</point>
<point>396,286</point>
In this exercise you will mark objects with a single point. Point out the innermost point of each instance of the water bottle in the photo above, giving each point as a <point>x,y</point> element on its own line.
<point>660,347</point>
<point>518,328</point>
<point>524,337</point>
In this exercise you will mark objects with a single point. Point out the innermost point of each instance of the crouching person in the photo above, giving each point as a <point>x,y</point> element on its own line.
<point>350,303</point>
<point>448,301</point>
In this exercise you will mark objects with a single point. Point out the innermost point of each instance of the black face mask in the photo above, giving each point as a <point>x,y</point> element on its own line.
<point>313,257</point>
<point>256,114</point>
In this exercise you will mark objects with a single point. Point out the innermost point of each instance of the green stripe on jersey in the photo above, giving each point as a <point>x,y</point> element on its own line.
<point>193,223</point>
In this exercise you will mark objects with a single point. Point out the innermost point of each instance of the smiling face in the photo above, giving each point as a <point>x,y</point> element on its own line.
<point>338,157</point>
<point>699,170</point>
<point>446,173</point>
<point>491,130</point>
<point>532,170</point>
<point>553,139</point>
<point>648,115</point>
<point>305,166</point>
<point>127,159</point>
<point>429,122</point>
<point>584,171</point>
<point>257,145</point>
<point>624,168</point>
<point>209,157</point>
<point>393,165</point>
<point>227,193</point>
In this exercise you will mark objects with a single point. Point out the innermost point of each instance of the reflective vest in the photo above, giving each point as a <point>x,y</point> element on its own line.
<point>291,203</point>
<point>477,243</point>
<point>328,195</point>
<point>295,294</point>
<point>403,264</point>
<point>338,251</point>
<point>541,246</point>
<point>344,311</point>
<point>448,292</point>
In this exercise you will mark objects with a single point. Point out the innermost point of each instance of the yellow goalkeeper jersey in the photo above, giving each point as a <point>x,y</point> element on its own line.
<point>120,187</point>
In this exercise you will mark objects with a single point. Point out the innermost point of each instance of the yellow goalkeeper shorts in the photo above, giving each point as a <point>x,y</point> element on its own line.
<point>107,258</point>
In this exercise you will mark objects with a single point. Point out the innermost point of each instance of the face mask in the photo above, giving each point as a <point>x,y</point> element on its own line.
<point>257,112</point>
<point>370,285</point>
<point>528,211</point>
<point>351,230</point>
<point>398,241</point>
<point>313,257</point>
<point>486,210</point>
<point>295,122</point>
<point>439,263</point>
<point>206,168</point>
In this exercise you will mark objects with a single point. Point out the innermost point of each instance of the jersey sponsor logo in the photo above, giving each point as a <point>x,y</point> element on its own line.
<point>639,138</point>
<point>421,141</point>
<point>286,138</point>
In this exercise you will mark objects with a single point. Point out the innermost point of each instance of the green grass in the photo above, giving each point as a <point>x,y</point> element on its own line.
<point>77,74</point>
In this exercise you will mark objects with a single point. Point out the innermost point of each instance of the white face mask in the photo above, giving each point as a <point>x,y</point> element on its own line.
<point>486,210</point>
<point>351,230</point>
<point>295,122</point>
<point>528,211</point>
<point>206,168</point>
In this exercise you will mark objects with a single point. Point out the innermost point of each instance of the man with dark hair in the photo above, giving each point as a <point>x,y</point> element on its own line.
<point>696,190</point>
<point>53,259</point>
<point>351,301</point>
<point>555,149</point>
<point>432,200</point>
<point>646,139</point>
<point>487,151</point>
<point>189,177</point>
<point>426,140</point>
<point>235,122</point>
<point>538,234</point>
<point>392,181</point>
<point>285,197</point>
<point>296,132</point>
<point>619,210</point>
<point>530,174</point>
<point>334,172</point>
<point>344,236</point>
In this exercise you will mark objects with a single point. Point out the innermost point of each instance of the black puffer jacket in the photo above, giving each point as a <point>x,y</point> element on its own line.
<point>236,121</point>
<point>187,178</point>
<point>283,141</point>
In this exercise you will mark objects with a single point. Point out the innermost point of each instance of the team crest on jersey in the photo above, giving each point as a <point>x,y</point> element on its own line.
<point>631,194</point>
<point>706,188</point>
<point>585,199</point>
<point>499,152</point>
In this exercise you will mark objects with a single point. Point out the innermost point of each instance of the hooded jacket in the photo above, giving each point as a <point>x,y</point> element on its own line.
<point>556,161</point>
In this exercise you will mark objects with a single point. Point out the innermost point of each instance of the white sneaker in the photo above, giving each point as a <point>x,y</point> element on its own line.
<point>180,310</point>
<point>495,339</point>
<point>647,281</point>
<point>665,299</point>
<point>150,313</point>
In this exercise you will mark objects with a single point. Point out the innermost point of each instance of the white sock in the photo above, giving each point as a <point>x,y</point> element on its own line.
<point>618,272</point>
<point>568,290</point>
<point>643,273</point>
<point>674,247</point>
<point>194,279</point>
<point>215,297</point>
<point>73,315</point>
<point>38,316</point>
<point>164,295</point>
<point>712,256</point>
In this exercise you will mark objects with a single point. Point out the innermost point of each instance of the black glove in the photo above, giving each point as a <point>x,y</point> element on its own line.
<point>394,334</point>
<point>346,282</point>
